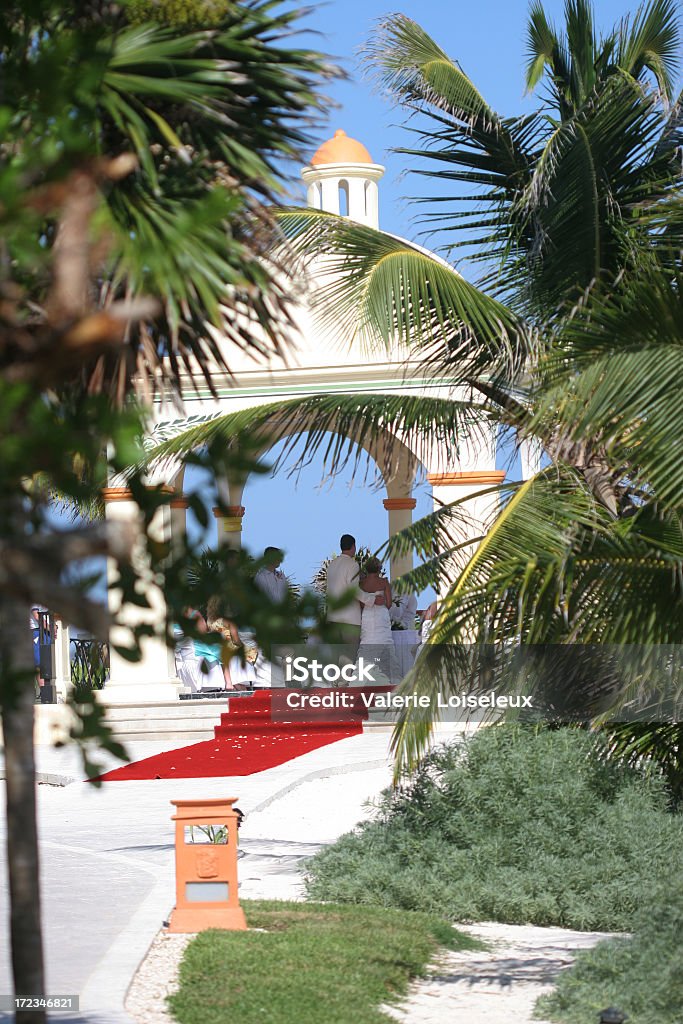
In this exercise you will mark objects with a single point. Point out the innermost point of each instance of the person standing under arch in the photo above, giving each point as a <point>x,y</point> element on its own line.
<point>343,582</point>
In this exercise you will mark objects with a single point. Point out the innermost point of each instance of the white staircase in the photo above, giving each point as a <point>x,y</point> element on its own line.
<point>184,721</point>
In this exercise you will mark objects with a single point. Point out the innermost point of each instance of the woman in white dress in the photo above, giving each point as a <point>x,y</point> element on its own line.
<point>376,640</point>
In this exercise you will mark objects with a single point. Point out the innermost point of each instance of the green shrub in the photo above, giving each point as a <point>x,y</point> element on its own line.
<point>515,825</point>
<point>642,976</point>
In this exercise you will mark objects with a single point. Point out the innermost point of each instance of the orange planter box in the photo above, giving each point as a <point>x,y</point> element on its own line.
<point>206,867</point>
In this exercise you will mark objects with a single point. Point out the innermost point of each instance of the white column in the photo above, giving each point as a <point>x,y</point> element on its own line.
<point>371,204</point>
<point>530,454</point>
<point>330,194</point>
<point>459,485</point>
<point>400,516</point>
<point>62,680</point>
<point>153,678</point>
<point>179,505</point>
<point>357,209</point>
<point>229,523</point>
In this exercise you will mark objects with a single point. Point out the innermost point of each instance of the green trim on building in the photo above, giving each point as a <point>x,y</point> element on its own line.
<point>332,388</point>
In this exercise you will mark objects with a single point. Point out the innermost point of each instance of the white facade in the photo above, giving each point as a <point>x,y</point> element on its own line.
<point>318,362</point>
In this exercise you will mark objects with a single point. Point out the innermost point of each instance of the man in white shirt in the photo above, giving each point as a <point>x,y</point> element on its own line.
<point>342,579</point>
<point>269,579</point>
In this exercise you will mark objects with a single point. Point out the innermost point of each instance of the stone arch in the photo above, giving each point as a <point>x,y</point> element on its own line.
<point>395,463</point>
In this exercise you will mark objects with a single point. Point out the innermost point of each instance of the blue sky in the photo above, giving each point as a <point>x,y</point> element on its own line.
<point>488,39</point>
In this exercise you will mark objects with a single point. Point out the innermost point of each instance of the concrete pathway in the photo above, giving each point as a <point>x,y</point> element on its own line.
<point>107,865</point>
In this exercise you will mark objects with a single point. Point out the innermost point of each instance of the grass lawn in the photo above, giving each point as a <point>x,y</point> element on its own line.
<point>312,962</point>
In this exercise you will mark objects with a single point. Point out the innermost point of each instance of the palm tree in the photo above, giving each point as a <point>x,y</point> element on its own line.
<point>142,146</point>
<point>571,334</point>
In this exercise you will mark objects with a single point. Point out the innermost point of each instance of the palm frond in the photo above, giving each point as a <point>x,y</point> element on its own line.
<point>379,289</point>
<point>652,43</point>
<point>381,429</point>
<point>583,47</point>
<point>615,377</point>
<point>213,115</point>
<point>407,62</point>
<point>544,50</point>
<point>553,569</point>
<point>444,540</point>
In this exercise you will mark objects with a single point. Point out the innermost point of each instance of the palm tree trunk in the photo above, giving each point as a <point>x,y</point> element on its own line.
<point>16,682</point>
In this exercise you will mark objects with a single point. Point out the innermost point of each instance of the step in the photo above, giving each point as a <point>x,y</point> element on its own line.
<point>175,711</point>
<point>153,724</point>
<point>177,738</point>
<point>172,722</point>
<point>222,731</point>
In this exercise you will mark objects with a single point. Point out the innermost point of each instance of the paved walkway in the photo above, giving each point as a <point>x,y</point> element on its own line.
<point>107,866</point>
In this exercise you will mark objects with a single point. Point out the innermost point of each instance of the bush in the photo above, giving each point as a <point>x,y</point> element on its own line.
<point>515,825</point>
<point>642,976</point>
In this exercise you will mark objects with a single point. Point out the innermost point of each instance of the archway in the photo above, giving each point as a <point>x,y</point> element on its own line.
<point>369,493</point>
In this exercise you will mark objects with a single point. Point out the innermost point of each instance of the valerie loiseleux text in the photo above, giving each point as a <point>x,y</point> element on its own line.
<point>300,700</point>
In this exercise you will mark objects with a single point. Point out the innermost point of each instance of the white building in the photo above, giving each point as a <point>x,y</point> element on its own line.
<point>342,178</point>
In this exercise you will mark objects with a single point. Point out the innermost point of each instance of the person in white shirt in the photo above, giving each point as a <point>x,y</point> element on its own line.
<point>342,580</point>
<point>269,578</point>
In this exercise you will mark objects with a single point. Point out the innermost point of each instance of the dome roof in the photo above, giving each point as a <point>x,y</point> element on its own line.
<point>341,149</point>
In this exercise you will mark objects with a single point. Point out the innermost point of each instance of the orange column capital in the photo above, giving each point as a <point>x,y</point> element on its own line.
<point>110,494</point>
<point>232,517</point>
<point>116,494</point>
<point>391,504</point>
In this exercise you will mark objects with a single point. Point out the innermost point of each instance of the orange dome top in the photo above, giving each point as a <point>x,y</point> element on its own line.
<point>341,149</point>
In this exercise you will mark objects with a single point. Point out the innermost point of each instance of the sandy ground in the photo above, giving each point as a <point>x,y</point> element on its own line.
<point>499,986</point>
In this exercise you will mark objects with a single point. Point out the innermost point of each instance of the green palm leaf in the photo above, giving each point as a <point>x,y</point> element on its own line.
<point>615,377</point>
<point>343,429</point>
<point>211,115</point>
<point>379,289</point>
<point>553,569</point>
<point>554,197</point>
<point>414,69</point>
<point>652,43</point>
<point>544,50</point>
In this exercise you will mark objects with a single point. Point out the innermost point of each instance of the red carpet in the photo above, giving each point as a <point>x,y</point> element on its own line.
<point>248,741</point>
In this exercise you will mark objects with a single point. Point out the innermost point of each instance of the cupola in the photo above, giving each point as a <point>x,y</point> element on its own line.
<point>342,179</point>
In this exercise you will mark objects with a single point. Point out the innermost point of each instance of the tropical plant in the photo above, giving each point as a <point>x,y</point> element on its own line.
<point>207,112</point>
<point>572,335</point>
<point>657,746</point>
<point>138,158</point>
<point>640,974</point>
<point>513,824</point>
